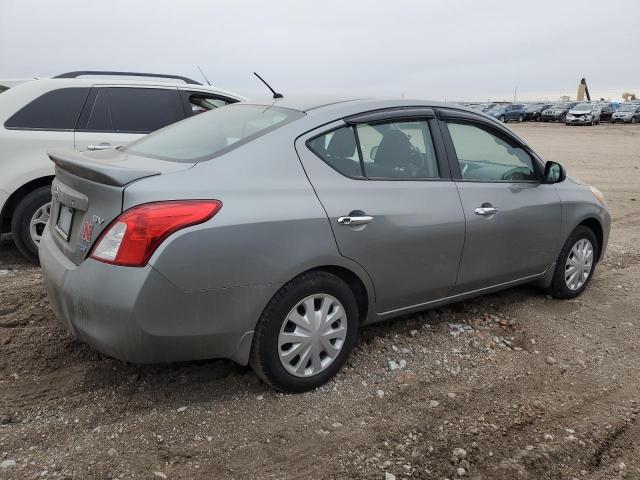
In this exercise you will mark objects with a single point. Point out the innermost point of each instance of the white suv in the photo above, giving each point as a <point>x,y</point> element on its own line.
<point>74,111</point>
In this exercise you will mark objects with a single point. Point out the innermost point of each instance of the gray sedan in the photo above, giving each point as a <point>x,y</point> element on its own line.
<point>269,233</point>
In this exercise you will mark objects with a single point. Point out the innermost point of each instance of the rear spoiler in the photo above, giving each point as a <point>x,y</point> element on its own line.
<point>101,171</point>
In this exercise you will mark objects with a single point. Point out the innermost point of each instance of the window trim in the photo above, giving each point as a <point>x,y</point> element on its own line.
<point>501,132</point>
<point>389,116</point>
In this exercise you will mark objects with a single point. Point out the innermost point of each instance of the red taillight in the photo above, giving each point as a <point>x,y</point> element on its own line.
<point>132,238</point>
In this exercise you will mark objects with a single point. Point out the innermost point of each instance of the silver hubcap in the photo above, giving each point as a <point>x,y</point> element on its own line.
<point>312,335</point>
<point>579,264</point>
<point>38,222</point>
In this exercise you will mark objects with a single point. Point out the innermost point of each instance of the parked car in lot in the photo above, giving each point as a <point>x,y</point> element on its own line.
<point>606,111</point>
<point>533,112</point>
<point>627,113</point>
<point>584,114</point>
<point>73,111</point>
<point>505,113</point>
<point>557,112</point>
<point>267,233</point>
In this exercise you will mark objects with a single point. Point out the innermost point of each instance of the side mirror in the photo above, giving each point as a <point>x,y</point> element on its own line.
<point>554,172</point>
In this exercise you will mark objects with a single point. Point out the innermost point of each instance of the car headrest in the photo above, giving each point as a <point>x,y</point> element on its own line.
<point>394,150</point>
<point>342,143</point>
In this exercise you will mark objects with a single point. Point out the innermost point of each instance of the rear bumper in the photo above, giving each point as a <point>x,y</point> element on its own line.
<point>137,315</point>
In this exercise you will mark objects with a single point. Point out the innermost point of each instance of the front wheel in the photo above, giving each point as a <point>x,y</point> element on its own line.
<point>502,119</point>
<point>633,120</point>
<point>305,333</point>
<point>575,264</point>
<point>28,222</point>
<point>520,118</point>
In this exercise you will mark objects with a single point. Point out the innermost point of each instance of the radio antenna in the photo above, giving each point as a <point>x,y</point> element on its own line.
<point>203,75</point>
<point>275,94</point>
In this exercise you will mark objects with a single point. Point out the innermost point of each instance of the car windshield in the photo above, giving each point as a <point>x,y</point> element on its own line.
<point>583,106</point>
<point>533,108</point>
<point>213,133</point>
<point>628,108</point>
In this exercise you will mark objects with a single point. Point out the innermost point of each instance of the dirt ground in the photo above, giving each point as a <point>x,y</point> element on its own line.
<point>529,387</point>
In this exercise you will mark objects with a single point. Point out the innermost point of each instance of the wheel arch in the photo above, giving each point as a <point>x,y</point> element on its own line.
<point>595,226</point>
<point>15,198</point>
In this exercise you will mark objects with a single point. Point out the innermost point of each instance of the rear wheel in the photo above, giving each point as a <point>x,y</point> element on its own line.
<point>305,333</point>
<point>575,264</point>
<point>28,222</point>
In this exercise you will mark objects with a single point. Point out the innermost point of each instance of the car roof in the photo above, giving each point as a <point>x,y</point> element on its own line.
<point>322,104</point>
<point>46,84</point>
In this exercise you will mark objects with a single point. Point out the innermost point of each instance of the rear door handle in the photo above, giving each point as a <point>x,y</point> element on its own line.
<point>486,211</point>
<point>359,220</point>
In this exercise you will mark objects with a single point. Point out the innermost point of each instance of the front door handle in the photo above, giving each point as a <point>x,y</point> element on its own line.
<point>359,220</point>
<point>102,146</point>
<point>486,211</point>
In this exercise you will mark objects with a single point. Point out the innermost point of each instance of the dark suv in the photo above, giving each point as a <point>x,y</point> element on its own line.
<point>533,111</point>
<point>557,112</point>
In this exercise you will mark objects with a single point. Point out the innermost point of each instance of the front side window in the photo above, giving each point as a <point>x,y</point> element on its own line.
<point>203,137</point>
<point>200,103</point>
<point>400,149</point>
<point>55,110</point>
<point>144,110</point>
<point>485,155</point>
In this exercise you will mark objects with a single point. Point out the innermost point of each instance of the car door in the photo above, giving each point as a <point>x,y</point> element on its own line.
<point>115,116</point>
<point>387,191</point>
<point>513,220</point>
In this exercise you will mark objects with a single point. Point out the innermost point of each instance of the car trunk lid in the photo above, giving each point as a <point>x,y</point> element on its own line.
<point>88,190</point>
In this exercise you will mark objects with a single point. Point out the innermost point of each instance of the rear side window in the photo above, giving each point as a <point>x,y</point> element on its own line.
<point>143,110</point>
<point>55,110</point>
<point>400,149</point>
<point>203,137</point>
<point>99,117</point>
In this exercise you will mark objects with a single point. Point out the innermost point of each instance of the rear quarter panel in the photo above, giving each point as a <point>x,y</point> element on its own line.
<point>270,229</point>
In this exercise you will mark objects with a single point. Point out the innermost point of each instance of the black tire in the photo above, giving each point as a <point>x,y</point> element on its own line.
<point>520,118</point>
<point>633,120</point>
<point>21,220</point>
<point>562,118</point>
<point>265,359</point>
<point>558,287</point>
<point>502,118</point>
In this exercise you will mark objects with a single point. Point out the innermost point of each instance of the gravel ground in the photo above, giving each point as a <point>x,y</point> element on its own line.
<point>511,385</point>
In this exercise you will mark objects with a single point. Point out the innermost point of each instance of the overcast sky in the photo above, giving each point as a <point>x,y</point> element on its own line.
<point>455,50</point>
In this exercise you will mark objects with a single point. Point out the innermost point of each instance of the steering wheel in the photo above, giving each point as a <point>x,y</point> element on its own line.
<point>515,174</point>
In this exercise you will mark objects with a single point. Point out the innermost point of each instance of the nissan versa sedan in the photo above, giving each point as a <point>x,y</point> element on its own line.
<point>269,233</point>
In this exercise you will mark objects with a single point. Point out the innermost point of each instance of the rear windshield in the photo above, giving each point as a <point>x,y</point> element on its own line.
<point>213,133</point>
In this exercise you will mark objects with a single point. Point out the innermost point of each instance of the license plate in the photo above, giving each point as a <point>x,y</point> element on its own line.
<point>63,225</point>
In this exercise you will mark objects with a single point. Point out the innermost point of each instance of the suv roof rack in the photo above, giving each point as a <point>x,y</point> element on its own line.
<point>126,74</point>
